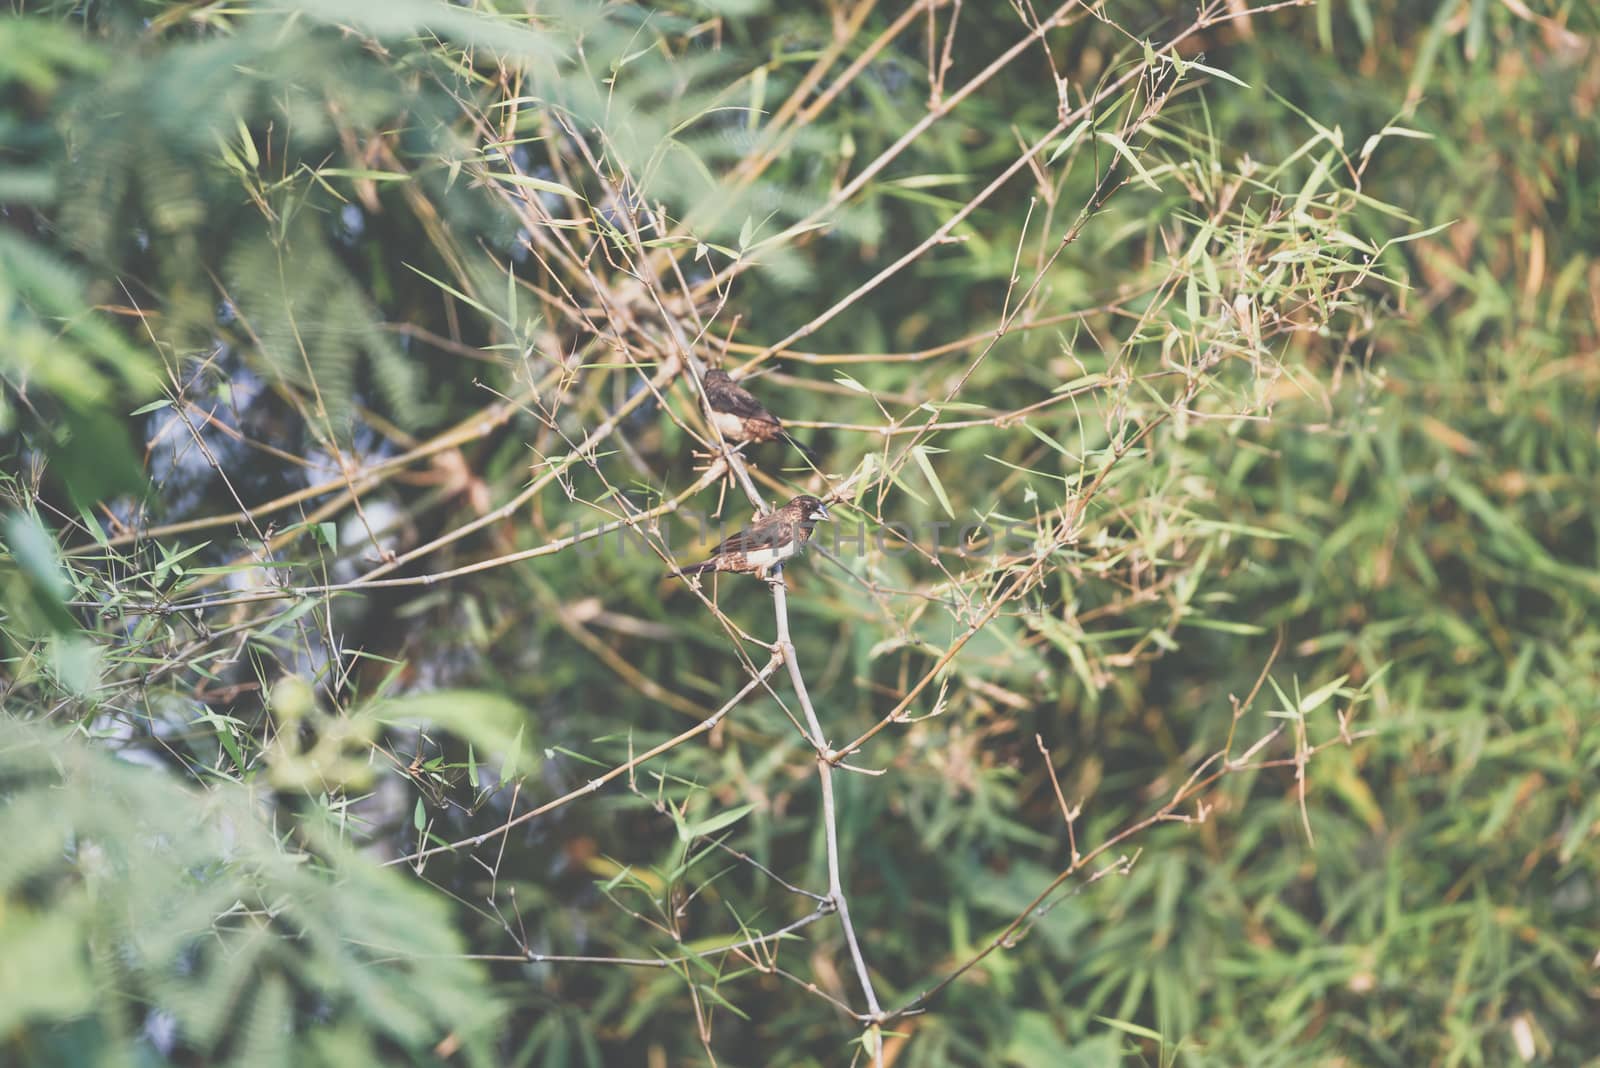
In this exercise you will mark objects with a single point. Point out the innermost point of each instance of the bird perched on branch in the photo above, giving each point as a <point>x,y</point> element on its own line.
<point>768,542</point>
<point>741,417</point>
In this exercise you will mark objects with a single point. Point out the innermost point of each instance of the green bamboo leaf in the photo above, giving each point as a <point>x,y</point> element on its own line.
<point>1318,697</point>
<point>1131,1028</point>
<point>919,453</point>
<point>1072,138</point>
<point>687,832</point>
<point>543,185</point>
<point>1126,153</point>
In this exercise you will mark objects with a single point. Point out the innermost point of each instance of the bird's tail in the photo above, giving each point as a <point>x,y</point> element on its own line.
<point>804,449</point>
<point>695,569</point>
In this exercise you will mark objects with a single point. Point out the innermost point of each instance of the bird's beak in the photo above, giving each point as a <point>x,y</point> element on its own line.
<point>821,513</point>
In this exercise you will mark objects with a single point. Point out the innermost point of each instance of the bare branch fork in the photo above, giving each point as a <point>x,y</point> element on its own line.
<point>830,823</point>
<point>784,649</point>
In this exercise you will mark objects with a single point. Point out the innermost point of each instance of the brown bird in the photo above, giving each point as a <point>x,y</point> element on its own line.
<point>741,417</point>
<point>768,542</point>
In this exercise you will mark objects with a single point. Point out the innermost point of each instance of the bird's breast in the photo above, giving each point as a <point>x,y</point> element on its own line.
<point>731,426</point>
<point>768,556</point>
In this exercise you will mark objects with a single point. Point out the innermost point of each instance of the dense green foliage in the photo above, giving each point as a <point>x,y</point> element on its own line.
<point>1259,728</point>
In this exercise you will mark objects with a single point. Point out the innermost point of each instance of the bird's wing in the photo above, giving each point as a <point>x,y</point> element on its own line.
<point>735,401</point>
<point>765,533</point>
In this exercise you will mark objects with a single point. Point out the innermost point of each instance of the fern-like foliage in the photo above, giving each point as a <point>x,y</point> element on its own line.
<point>314,323</point>
<point>138,917</point>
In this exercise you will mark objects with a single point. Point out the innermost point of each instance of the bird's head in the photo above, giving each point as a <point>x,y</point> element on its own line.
<point>716,377</point>
<point>809,509</point>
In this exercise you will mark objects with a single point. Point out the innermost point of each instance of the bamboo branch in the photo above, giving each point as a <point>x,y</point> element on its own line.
<point>830,819</point>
